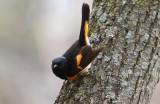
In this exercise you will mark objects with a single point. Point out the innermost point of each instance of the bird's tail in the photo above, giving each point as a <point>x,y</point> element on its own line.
<point>84,24</point>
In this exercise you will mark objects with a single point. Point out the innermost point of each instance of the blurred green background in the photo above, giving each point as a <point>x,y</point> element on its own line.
<point>32,33</point>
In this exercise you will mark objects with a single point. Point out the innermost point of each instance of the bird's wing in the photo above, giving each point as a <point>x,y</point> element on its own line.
<point>82,59</point>
<point>87,54</point>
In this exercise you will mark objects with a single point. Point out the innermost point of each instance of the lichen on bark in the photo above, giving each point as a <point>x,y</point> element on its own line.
<point>127,70</point>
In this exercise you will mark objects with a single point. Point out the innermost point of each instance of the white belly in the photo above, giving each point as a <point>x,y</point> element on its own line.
<point>85,70</point>
<point>87,41</point>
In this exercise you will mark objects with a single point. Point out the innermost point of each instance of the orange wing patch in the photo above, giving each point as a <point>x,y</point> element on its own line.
<point>78,59</point>
<point>86,29</point>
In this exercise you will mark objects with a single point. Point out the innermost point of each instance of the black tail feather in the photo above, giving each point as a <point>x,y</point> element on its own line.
<point>85,17</point>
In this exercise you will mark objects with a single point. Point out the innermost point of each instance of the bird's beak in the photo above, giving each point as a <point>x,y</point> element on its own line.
<point>55,66</point>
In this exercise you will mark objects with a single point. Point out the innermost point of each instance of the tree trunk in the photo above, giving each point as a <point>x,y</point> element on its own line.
<point>127,70</point>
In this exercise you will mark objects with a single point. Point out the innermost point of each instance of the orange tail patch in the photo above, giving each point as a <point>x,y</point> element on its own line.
<point>86,29</point>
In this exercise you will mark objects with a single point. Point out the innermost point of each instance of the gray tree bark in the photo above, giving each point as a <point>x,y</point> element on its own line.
<point>127,70</point>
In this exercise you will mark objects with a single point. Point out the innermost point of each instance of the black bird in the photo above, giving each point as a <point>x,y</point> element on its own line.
<point>79,56</point>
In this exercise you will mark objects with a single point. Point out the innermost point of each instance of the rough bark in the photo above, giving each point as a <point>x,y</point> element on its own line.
<point>127,70</point>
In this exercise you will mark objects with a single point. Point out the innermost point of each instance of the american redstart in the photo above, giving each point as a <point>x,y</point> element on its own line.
<point>79,56</point>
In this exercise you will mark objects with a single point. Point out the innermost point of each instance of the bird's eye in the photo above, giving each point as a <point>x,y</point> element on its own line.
<point>54,66</point>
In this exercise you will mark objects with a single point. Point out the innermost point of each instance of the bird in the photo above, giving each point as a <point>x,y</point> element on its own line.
<point>77,59</point>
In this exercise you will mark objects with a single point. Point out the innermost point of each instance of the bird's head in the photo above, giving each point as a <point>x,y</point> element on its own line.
<point>60,67</point>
